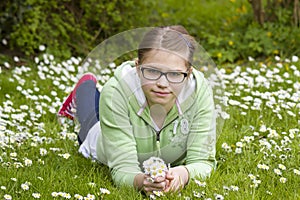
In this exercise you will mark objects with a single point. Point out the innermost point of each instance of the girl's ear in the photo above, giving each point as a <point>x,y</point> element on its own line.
<point>137,67</point>
<point>136,64</point>
<point>190,70</point>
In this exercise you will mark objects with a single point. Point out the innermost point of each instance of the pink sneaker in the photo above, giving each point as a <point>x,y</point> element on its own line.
<point>68,109</point>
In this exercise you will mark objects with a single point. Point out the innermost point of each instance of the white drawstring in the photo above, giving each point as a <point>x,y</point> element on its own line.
<point>175,127</point>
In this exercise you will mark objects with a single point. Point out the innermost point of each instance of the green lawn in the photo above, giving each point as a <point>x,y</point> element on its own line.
<point>258,150</point>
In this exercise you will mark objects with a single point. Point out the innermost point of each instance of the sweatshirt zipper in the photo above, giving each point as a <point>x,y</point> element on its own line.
<point>158,148</point>
<point>158,136</point>
<point>158,142</point>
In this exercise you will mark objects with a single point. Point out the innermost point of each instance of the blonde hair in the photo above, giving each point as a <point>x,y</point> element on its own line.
<point>173,39</point>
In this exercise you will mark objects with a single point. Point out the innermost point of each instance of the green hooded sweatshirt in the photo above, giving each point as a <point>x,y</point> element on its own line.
<point>128,135</point>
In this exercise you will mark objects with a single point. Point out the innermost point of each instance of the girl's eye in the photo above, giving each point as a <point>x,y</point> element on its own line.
<point>174,74</point>
<point>153,71</point>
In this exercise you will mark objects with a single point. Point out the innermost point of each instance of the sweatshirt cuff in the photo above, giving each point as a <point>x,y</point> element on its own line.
<point>201,170</point>
<point>125,179</point>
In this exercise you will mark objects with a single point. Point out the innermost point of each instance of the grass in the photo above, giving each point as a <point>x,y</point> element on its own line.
<point>257,151</point>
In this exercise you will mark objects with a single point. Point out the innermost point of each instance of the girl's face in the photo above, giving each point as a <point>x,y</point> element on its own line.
<point>164,90</point>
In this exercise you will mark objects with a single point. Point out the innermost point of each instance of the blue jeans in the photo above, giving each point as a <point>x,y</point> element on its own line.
<point>87,107</point>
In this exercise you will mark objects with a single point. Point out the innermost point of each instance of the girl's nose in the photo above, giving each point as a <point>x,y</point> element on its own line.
<point>162,81</point>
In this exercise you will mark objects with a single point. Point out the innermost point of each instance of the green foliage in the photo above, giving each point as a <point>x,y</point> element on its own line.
<point>68,27</point>
<point>228,32</point>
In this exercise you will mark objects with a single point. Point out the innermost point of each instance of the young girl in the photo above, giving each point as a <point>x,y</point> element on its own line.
<point>158,105</point>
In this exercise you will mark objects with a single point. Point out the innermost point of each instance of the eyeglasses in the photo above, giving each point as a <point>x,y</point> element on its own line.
<point>154,74</point>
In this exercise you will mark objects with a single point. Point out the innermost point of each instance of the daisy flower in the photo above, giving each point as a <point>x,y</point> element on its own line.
<point>7,197</point>
<point>155,167</point>
<point>282,180</point>
<point>36,195</point>
<point>104,191</point>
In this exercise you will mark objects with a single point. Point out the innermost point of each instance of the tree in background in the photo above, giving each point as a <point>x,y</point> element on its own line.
<point>274,9</point>
<point>226,29</point>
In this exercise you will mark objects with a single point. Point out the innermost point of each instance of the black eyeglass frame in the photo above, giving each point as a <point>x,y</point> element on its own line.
<point>185,74</point>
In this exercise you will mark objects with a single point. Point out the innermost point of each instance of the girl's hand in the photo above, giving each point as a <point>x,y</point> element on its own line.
<point>178,177</point>
<point>158,184</point>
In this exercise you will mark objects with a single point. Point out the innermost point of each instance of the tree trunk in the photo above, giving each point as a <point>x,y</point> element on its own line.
<point>296,13</point>
<point>257,10</point>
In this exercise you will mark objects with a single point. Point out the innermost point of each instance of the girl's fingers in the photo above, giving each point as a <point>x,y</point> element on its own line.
<point>175,185</point>
<point>169,177</point>
<point>150,187</point>
<point>159,179</point>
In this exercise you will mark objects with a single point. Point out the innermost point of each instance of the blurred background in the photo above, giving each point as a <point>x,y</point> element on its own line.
<point>229,30</point>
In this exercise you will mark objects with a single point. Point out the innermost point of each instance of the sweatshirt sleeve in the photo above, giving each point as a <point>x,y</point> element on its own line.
<point>201,144</point>
<point>118,138</point>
